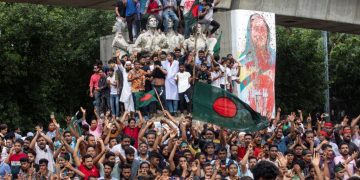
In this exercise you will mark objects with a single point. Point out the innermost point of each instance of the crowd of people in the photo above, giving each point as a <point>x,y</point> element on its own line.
<point>122,141</point>
<point>134,14</point>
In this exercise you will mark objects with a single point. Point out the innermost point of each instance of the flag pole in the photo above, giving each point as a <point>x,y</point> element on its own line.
<point>194,64</point>
<point>158,97</point>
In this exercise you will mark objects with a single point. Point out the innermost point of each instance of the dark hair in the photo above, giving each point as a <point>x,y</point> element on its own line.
<point>86,156</point>
<point>154,154</point>
<point>123,137</point>
<point>265,170</point>
<point>248,134</point>
<point>171,54</point>
<point>325,146</point>
<point>222,150</point>
<point>89,146</point>
<point>87,137</point>
<point>30,138</point>
<point>111,69</point>
<point>251,157</point>
<point>216,65</point>
<point>3,126</point>
<point>20,141</point>
<point>246,178</point>
<point>343,143</point>
<point>31,151</point>
<point>273,145</point>
<point>66,156</point>
<point>42,161</point>
<point>144,162</point>
<point>232,163</point>
<point>66,132</point>
<point>109,154</point>
<point>129,151</point>
<point>25,159</point>
<point>126,166</point>
<point>177,49</point>
<point>201,51</point>
<point>108,163</point>
<point>131,119</point>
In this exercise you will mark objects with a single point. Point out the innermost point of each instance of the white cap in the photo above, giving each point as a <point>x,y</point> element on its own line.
<point>242,133</point>
<point>30,134</point>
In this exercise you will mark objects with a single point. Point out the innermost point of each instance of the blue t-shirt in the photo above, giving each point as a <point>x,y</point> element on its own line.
<point>130,8</point>
<point>4,169</point>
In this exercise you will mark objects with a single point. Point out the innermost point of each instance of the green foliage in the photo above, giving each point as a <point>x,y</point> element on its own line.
<point>344,68</point>
<point>299,70</point>
<point>46,55</point>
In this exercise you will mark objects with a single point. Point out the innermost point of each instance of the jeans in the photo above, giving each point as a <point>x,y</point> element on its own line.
<point>172,105</point>
<point>114,103</point>
<point>170,15</point>
<point>130,21</point>
<point>105,102</point>
<point>183,102</point>
<point>96,102</point>
<point>161,91</point>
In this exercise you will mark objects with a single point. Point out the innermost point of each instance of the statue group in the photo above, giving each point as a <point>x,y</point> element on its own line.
<point>153,40</point>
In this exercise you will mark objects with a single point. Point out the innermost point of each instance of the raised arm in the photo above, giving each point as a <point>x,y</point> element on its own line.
<point>355,121</point>
<point>316,162</point>
<point>77,161</point>
<point>245,160</point>
<point>159,135</point>
<point>97,158</point>
<point>141,119</point>
<point>48,140</point>
<point>33,141</point>
<point>172,154</point>
<point>70,167</point>
<point>143,130</point>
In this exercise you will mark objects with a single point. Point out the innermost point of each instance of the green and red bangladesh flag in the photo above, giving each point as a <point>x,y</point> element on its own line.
<point>217,106</point>
<point>143,99</point>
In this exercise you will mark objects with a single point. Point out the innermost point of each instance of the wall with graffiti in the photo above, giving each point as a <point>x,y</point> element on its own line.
<point>254,47</point>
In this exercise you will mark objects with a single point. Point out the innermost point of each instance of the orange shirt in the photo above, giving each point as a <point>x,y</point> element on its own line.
<point>137,84</point>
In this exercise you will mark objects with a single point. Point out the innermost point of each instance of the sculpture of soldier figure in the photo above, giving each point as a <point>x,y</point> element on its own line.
<point>174,39</point>
<point>119,42</point>
<point>151,40</point>
<point>189,43</point>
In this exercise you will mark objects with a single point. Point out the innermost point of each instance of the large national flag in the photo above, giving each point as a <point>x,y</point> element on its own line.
<point>217,106</point>
<point>190,17</point>
<point>217,45</point>
<point>144,98</point>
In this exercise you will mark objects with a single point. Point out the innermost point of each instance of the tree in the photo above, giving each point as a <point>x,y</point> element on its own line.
<point>299,70</point>
<point>46,55</point>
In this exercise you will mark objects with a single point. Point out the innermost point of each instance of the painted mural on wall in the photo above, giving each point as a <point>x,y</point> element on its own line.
<point>254,46</point>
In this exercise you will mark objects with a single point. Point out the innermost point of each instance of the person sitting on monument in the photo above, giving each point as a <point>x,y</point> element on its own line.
<point>170,7</point>
<point>153,7</point>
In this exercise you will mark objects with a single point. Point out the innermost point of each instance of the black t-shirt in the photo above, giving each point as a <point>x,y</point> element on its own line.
<point>121,8</point>
<point>157,73</point>
<point>147,82</point>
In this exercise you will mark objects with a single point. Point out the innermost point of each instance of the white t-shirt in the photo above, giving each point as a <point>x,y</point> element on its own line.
<point>112,79</point>
<point>45,153</point>
<point>351,165</point>
<point>118,148</point>
<point>214,75</point>
<point>227,73</point>
<point>183,81</point>
<point>210,14</point>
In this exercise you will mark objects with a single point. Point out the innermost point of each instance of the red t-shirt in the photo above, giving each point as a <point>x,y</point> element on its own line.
<point>132,132</point>
<point>242,152</point>
<point>14,162</point>
<point>89,172</point>
<point>153,5</point>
